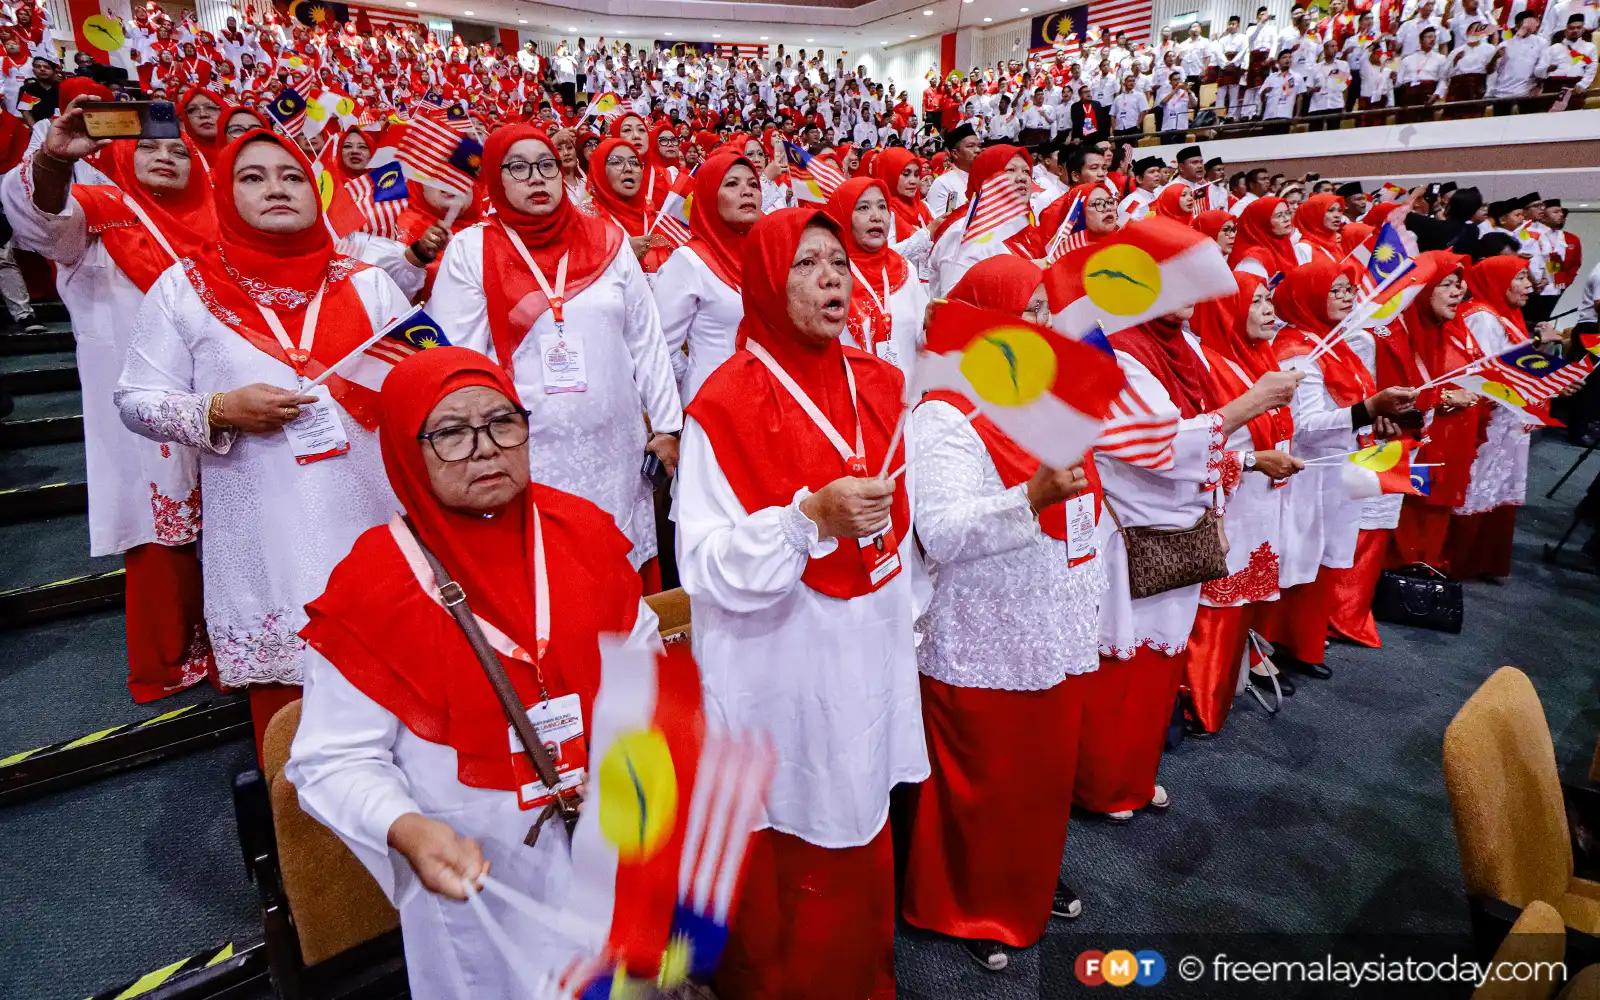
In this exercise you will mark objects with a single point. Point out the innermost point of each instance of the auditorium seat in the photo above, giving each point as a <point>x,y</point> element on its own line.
<point>1537,936</point>
<point>1510,812</point>
<point>1583,986</point>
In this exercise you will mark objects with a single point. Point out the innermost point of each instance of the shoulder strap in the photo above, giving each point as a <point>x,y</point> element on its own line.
<point>455,602</point>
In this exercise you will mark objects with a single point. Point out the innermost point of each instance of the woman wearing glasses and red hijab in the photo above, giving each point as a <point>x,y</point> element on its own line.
<point>795,553</point>
<point>110,244</point>
<point>219,360</point>
<point>403,749</point>
<point>557,299</point>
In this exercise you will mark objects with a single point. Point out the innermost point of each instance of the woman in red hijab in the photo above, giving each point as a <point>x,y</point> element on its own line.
<point>238,120</point>
<point>555,297</point>
<point>109,245</point>
<point>663,162</point>
<point>1004,175</point>
<point>1235,334</point>
<point>698,289</point>
<point>1438,345</point>
<point>1166,479</point>
<point>1220,225</point>
<point>402,748</point>
<point>1319,220</point>
<point>794,547</point>
<point>1175,202</point>
<point>1264,247</point>
<point>427,207</point>
<point>200,113</point>
<point>220,360</point>
<point>1002,662</point>
<point>616,181</point>
<point>1491,323</point>
<point>901,174</point>
<point>1335,403</point>
<point>887,302</point>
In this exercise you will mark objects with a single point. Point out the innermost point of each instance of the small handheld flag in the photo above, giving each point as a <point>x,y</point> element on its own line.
<point>1535,375</point>
<point>1148,269</point>
<point>288,109</point>
<point>1382,468</point>
<point>371,363</point>
<point>1048,393</point>
<point>433,154</point>
<point>998,210</point>
<point>388,182</point>
<point>815,179</point>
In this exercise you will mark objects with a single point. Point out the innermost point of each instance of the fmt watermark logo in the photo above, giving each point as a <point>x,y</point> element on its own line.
<point>1120,968</point>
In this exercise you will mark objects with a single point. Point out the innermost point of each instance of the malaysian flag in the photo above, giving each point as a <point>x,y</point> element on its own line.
<point>288,109</point>
<point>1534,375</point>
<point>1137,435</point>
<point>430,101</point>
<point>815,178</point>
<point>371,363</point>
<point>673,219</point>
<point>375,196</point>
<point>998,208</point>
<point>458,119</point>
<point>434,154</point>
<point>1132,16</point>
<point>1072,234</point>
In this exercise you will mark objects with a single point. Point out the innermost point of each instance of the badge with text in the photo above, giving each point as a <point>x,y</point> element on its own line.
<point>317,433</point>
<point>562,362</point>
<point>559,725</point>
<point>1080,529</point>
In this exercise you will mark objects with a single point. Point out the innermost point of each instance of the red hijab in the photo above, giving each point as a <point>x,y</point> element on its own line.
<point>1222,324</point>
<point>1351,236</point>
<point>910,213</point>
<point>211,150</point>
<point>1169,205</point>
<point>631,213</point>
<point>1311,218</point>
<point>341,173</point>
<point>718,243</point>
<point>879,267</point>
<point>185,218</point>
<point>657,182</point>
<point>1255,240</point>
<point>1211,222</point>
<point>1489,280</point>
<point>514,300</point>
<point>283,272</point>
<point>1302,302</point>
<point>378,625</point>
<point>419,215</point>
<point>1006,283</point>
<point>1452,438</point>
<point>765,444</point>
<point>1159,346</point>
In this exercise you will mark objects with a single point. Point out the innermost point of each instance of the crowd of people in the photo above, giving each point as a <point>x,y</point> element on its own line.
<point>899,597</point>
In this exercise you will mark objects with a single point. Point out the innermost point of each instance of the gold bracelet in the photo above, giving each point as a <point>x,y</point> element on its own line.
<point>214,413</point>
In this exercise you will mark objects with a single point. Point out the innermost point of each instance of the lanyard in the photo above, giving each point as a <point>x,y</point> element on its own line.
<point>144,217</point>
<point>301,353</point>
<point>811,409</point>
<point>887,320</point>
<point>557,296</point>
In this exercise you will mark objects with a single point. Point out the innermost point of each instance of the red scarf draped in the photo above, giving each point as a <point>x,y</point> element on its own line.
<point>211,151</point>
<point>631,213</point>
<point>514,300</point>
<point>1169,204</point>
<point>874,266</point>
<point>1302,302</point>
<point>1221,325</point>
<point>1419,348</point>
<point>378,626</point>
<point>718,243</point>
<point>1311,219</point>
<point>1212,220</point>
<point>1158,344</point>
<point>284,270</point>
<point>1255,239</point>
<point>1006,283</point>
<point>186,218</point>
<point>1488,281</point>
<point>910,212</point>
<point>765,444</point>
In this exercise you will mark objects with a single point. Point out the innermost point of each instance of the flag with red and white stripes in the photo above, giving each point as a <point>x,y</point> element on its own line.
<point>1534,375</point>
<point>1137,435</point>
<point>435,154</point>
<point>998,208</point>
<point>1132,16</point>
<point>381,216</point>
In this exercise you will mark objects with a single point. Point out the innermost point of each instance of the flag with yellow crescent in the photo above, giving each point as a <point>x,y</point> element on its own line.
<point>1382,468</point>
<point>1147,269</point>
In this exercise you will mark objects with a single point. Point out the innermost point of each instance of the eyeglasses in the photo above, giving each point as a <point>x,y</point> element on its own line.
<point>522,170</point>
<point>459,442</point>
<point>1100,205</point>
<point>624,164</point>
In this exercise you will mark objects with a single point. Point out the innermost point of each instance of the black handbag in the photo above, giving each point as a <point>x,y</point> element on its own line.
<point>1418,595</point>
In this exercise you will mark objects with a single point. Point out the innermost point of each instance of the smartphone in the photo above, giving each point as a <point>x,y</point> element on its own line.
<point>654,471</point>
<point>130,119</point>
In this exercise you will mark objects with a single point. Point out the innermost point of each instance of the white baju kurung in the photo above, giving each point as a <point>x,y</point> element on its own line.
<point>590,443</point>
<point>1500,469</point>
<point>832,682</point>
<point>358,769</point>
<point>275,528</point>
<point>140,491</point>
<point>908,306</point>
<point>698,312</point>
<point>1007,611</point>
<point>1320,520</point>
<point>953,257</point>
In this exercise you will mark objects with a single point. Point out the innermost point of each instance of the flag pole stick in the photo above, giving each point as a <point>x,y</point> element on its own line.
<point>1471,366</point>
<point>328,373</point>
<point>969,418</point>
<point>1340,332</point>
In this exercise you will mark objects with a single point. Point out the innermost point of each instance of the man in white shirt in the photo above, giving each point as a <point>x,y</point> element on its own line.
<point>1464,19</point>
<point>1511,71</point>
<point>1197,54</point>
<point>1569,63</point>
<point>1559,13</point>
<point>1128,108</point>
<point>1468,66</point>
<point>1409,34</point>
<point>1262,39</point>
<point>1280,91</point>
<point>1422,75</point>
<point>949,189</point>
<point>1037,125</point>
<point>1232,50</point>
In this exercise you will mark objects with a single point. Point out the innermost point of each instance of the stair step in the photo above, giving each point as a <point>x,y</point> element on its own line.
<point>10,363</point>
<point>50,377</point>
<point>42,465</point>
<point>30,605</point>
<point>28,503</point>
<point>53,340</point>
<point>48,551</point>
<point>30,433</point>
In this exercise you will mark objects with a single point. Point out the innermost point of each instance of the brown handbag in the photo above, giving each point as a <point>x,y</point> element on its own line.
<point>454,599</point>
<point>1163,559</point>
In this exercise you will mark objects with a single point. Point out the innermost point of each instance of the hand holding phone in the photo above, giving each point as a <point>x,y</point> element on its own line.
<point>130,119</point>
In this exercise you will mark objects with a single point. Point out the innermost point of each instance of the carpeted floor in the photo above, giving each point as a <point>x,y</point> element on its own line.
<point>1330,818</point>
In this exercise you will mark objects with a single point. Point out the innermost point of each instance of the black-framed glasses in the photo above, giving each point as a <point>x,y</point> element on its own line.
<point>459,442</point>
<point>521,170</point>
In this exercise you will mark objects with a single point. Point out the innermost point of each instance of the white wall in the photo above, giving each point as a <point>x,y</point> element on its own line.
<point>1218,11</point>
<point>1001,42</point>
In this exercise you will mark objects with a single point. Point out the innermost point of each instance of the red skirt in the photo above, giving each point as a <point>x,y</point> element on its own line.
<point>168,649</point>
<point>265,700</point>
<point>1420,536</point>
<point>990,823</point>
<point>1211,670</point>
<point>812,922</point>
<point>1298,621</point>
<point>1479,545</point>
<point>1350,600</point>
<point>1126,707</point>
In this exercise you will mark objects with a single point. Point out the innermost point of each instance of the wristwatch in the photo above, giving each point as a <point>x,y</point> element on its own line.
<point>1249,460</point>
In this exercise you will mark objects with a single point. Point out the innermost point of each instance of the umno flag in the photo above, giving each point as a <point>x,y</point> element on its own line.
<point>1148,269</point>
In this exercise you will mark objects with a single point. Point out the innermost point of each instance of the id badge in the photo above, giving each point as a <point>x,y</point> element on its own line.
<point>880,554</point>
<point>1080,529</point>
<point>559,725</point>
<point>885,350</point>
<point>562,362</point>
<point>317,433</point>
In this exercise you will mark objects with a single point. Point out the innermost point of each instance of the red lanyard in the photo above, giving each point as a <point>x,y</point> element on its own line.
<point>557,295</point>
<point>851,458</point>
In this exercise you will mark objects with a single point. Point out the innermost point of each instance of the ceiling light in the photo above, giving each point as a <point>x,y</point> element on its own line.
<point>411,3</point>
<point>522,21</point>
<point>571,28</point>
<point>927,13</point>
<point>763,38</point>
<point>1022,10</point>
<point>669,35</point>
<point>468,13</point>
<point>987,20</point>
<point>716,36</point>
<point>811,39</point>
<point>883,43</point>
